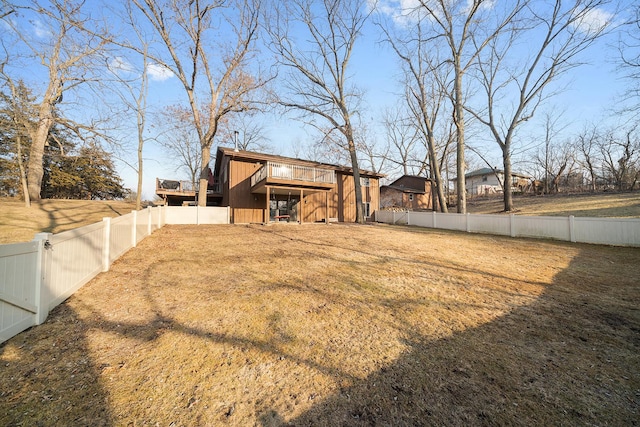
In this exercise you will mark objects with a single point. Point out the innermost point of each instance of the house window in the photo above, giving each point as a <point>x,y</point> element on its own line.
<point>484,178</point>
<point>411,197</point>
<point>364,182</point>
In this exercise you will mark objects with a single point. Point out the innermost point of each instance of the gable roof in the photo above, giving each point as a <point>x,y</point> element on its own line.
<point>262,157</point>
<point>489,171</point>
<point>410,186</point>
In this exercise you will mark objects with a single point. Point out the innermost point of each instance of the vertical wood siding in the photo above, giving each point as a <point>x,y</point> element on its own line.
<point>245,206</point>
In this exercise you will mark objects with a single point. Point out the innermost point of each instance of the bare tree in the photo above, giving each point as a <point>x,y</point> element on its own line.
<point>180,140</point>
<point>586,145</point>
<point>68,54</point>
<point>247,130</point>
<point>375,154</point>
<point>466,27</point>
<point>513,92</point>
<point>403,142</point>
<point>133,95</point>
<point>620,158</point>
<point>316,64</point>
<point>554,154</point>
<point>629,48</point>
<point>19,114</point>
<point>556,159</point>
<point>6,9</point>
<point>208,46</point>
<point>425,86</point>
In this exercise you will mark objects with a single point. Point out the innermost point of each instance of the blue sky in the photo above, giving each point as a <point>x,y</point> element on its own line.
<point>592,92</point>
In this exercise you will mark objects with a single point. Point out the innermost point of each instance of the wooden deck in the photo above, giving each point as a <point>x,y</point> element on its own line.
<point>177,193</point>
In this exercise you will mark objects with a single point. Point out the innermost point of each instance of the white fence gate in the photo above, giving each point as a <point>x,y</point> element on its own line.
<point>604,231</point>
<point>36,276</point>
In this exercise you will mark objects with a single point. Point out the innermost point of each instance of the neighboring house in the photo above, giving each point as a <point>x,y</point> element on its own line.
<point>408,192</point>
<point>263,188</point>
<point>486,181</point>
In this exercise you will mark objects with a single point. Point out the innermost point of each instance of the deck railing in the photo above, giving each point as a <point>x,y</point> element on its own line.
<point>169,186</point>
<point>292,172</point>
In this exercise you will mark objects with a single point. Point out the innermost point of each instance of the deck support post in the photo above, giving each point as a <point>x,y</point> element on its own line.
<point>301,208</point>
<point>266,211</point>
<point>326,205</point>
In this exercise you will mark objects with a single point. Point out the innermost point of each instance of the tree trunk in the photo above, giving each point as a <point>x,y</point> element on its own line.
<point>356,180</point>
<point>459,122</point>
<point>140,164</point>
<point>435,169</point>
<point>508,197</point>
<point>35,169</point>
<point>23,173</point>
<point>204,176</point>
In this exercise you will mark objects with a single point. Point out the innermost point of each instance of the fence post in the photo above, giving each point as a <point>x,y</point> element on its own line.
<point>572,233</point>
<point>512,225</point>
<point>134,217</point>
<point>393,218</point>
<point>229,216</point>
<point>106,245</point>
<point>197,215</point>
<point>468,225</point>
<point>434,219</point>
<point>408,217</point>
<point>150,214</point>
<point>43,279</point>
<point>161,216</point>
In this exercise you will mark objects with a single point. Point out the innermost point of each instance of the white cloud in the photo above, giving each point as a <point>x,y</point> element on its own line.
<point>486,5</point>
<point>403,12</point>
<point>592,21</point>
<point>40,30</point>
<point>158,72</point>
<point>119,63</point>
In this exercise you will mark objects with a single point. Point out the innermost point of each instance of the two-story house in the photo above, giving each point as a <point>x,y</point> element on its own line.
<point>264,188</point>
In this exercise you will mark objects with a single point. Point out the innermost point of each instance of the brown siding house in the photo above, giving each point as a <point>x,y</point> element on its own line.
<point>407,192</point>
<point>263,188</point>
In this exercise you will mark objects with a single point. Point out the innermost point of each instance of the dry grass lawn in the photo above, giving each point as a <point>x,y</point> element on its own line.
<point>20,224</point>
<point>603,205</point>
<point>337,325</point>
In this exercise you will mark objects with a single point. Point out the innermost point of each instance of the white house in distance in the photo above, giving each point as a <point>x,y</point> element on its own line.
<point>487,181</point>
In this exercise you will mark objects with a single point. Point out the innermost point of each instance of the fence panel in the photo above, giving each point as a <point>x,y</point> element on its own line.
<point>213,215</point>
<point>18,281</point>
<point>142,223</point>
<point>451,221</point>
<point>181,215</point>
<point>120,236</point>
<point>422,219</point>
<point>608,231</point>
<point>548,227</point>
<point>156,218</point>
<point>491,224</point>
<point>384,216</point>
<point>196,215</point>
<point>76,258</point>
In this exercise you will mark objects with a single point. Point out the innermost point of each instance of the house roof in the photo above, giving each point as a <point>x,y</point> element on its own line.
<point>403,189</point>
<point>397,185</point>
<point>489,171</point>
<point>262,157</point>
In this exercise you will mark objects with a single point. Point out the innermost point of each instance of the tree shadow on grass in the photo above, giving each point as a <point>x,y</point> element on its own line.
<point>569,358</point>
<point>47,376</point>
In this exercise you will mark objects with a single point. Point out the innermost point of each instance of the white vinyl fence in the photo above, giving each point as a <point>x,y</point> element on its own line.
<point>36,276</point>
<point>604,231</point>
